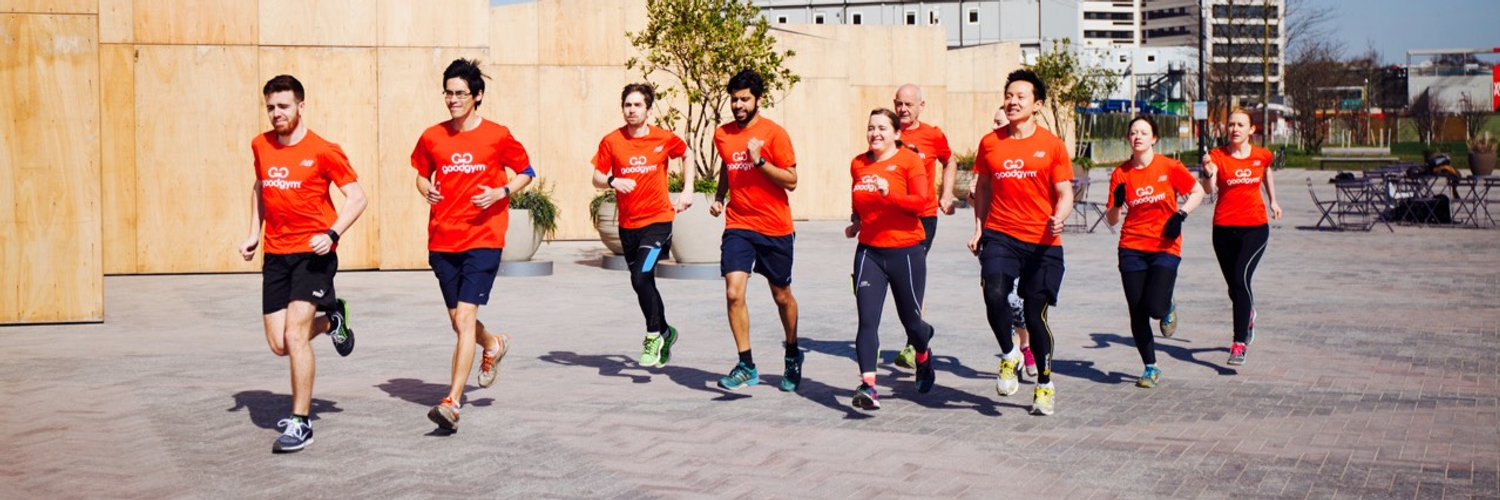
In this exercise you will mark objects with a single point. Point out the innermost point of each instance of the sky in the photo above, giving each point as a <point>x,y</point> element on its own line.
<point>1393,27</point>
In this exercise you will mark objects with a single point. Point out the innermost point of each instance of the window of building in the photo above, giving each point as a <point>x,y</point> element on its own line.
<point>1150,58</point>
<point>911,17</point>
<point>932,16</point>
<point>780,19</point>
<point>856,18</point>
<point>973,15</point>
<point>817,18</point>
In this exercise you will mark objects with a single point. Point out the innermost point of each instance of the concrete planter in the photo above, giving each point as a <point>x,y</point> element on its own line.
<point>609,227</point>
<point>696,234</point>
<point>1481,163</point>
<point>521,239</point>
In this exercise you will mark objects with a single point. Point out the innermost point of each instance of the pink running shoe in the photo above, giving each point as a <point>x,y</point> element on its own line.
<point>1030,361</point>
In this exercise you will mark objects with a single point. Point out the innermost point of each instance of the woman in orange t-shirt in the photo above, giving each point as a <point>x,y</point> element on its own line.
<point>1239,171</point>
<point>1146,188</point>
<point>890,190</point>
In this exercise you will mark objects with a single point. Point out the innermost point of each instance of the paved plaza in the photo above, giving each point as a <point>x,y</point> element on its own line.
<point>1373,375</point>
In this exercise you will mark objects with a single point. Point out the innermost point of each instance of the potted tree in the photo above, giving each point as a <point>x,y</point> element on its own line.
<point>533,217</point>
<point>963,183</point>
<point>1482,154</point>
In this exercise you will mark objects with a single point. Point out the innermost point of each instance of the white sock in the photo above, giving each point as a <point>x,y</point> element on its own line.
<point>1047,385</point>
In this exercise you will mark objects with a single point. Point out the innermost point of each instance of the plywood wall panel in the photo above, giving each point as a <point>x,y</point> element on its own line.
<point>410,100</point>
<point>50,6</point>
<point>231,22</point>
<point>340,107</point>
<point>513,34</point>
<point>194,178</point>
<point>588,102</point>
<point>594,33</point>
<point>117,155</point>
<point>116,21</point>
<point>49,146</point>
<point>349,23</point>
<point>433,23</point>
<point>826,124</point>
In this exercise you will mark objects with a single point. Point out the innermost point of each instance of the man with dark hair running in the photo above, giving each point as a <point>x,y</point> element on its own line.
<point>461,168</point>
<point>633,160</point>
<point>293,169</point>
<point>1023,194</point>
<point>760,167</point>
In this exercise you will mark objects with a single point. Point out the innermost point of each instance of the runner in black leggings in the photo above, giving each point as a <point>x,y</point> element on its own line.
<point>1146,187</point>
<point>1241,229</point>
<point>890,189</point>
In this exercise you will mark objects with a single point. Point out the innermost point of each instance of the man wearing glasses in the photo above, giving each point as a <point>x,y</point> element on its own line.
<point>461,171</point>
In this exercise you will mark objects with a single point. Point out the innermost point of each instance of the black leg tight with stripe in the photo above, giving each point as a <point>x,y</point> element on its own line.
<point>1239,250</point>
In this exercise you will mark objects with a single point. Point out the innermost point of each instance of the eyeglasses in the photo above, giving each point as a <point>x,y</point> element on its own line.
<point>461,94</point>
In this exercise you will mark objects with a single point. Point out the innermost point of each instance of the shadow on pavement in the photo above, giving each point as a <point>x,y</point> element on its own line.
<point>425,394</point>
<point>267,408</point>
<point>1184,354</point>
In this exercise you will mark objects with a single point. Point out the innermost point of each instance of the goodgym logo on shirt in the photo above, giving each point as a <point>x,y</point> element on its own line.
<point>740,161</point>
<point>277,179</point>
<point>867,184</point>
<point>462,163</point>
<point>1013,169</point>
<point>1243,176</point>
<point>638,166</point>
<point>1145,195</point>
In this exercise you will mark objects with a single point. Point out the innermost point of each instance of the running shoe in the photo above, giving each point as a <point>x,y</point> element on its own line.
<point>666,346</point>
<point>740,377</point>
<point>445,414</point>
<point>651,351</point>
<point>1168,323</point>
<point>1030,361</point>
<point>792,377</point>
<point>926,376</point>
<point>298,435</point>
<point>1006,381</point>
<point>1150,378</point>
<point>907,358</point>
<point>1237,354</point>
<point>339,330</point>
<point>489,366</point>
<point>1042,401</point>
<point>865,398</point>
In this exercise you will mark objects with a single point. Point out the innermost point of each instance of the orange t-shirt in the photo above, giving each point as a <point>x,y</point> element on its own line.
<point>1239,185</point>
<point>1150,200</point>
<point>756,203</point>
<point>294,189</point>
<point>643,160</point>
<point>459,163</point>
<point>932,147</point>
<point>1023,177</point>
<point>891,220</point>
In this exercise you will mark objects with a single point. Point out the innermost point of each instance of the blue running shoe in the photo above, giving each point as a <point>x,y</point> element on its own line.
<point>741,376</point>
<point>1150,378</point>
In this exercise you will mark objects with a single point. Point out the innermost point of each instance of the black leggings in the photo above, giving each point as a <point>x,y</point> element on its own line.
<point>1033,309</point>
<point>1149,295</point>
<point>1239,250</point>
<point>644,248</point>
<point>904,270</point>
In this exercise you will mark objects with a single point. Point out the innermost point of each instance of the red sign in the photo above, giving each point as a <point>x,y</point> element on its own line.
<point>1495,88</point>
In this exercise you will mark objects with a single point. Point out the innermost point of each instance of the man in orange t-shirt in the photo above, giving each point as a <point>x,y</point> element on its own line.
<point>293,169</point>
<point>633,161</point>
<point>759,169</point>
<point>1023,193</point>
<point>931,144</point>
<point>461,168</point>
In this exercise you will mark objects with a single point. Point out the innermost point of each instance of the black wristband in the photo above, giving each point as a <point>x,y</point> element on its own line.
<point>611,181</point>
<point>761,162</point>
<point>333,235</point>
<point>507,191</point>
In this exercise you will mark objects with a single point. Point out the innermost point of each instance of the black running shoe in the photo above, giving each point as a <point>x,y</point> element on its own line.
<point>339,331</point>
<point>298,435</point>
<point>926,376</point>
<point>866,399</point>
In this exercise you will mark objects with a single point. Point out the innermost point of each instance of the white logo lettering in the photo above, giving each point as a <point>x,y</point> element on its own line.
<point>1040,154</point>
<point>1014,164</point>
<point>317,293</point>
<point>637,160</point>
<point>740,161</point>
<point>867,184</point>
<point>307,163</point>
<point>462,163</point>
<point>1244,172</point>
<point>278,179</point>
<point>1145,191</point>
<point>461,158</point>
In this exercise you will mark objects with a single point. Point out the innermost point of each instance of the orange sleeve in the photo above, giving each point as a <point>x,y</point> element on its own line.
<point>336,166</point>
<point>1062,165</point>
<point>782,154</point>
<point>513,154</point>
<point>943,150</point>
<point>676,148</point>
<point>918,188</point>
<point>602,160</point>
<point>981,157</point>
<point>420,160</point>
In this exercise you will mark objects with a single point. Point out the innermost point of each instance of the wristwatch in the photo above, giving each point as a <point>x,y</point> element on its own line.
<point>333,235</point>
<point>761,162</point>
